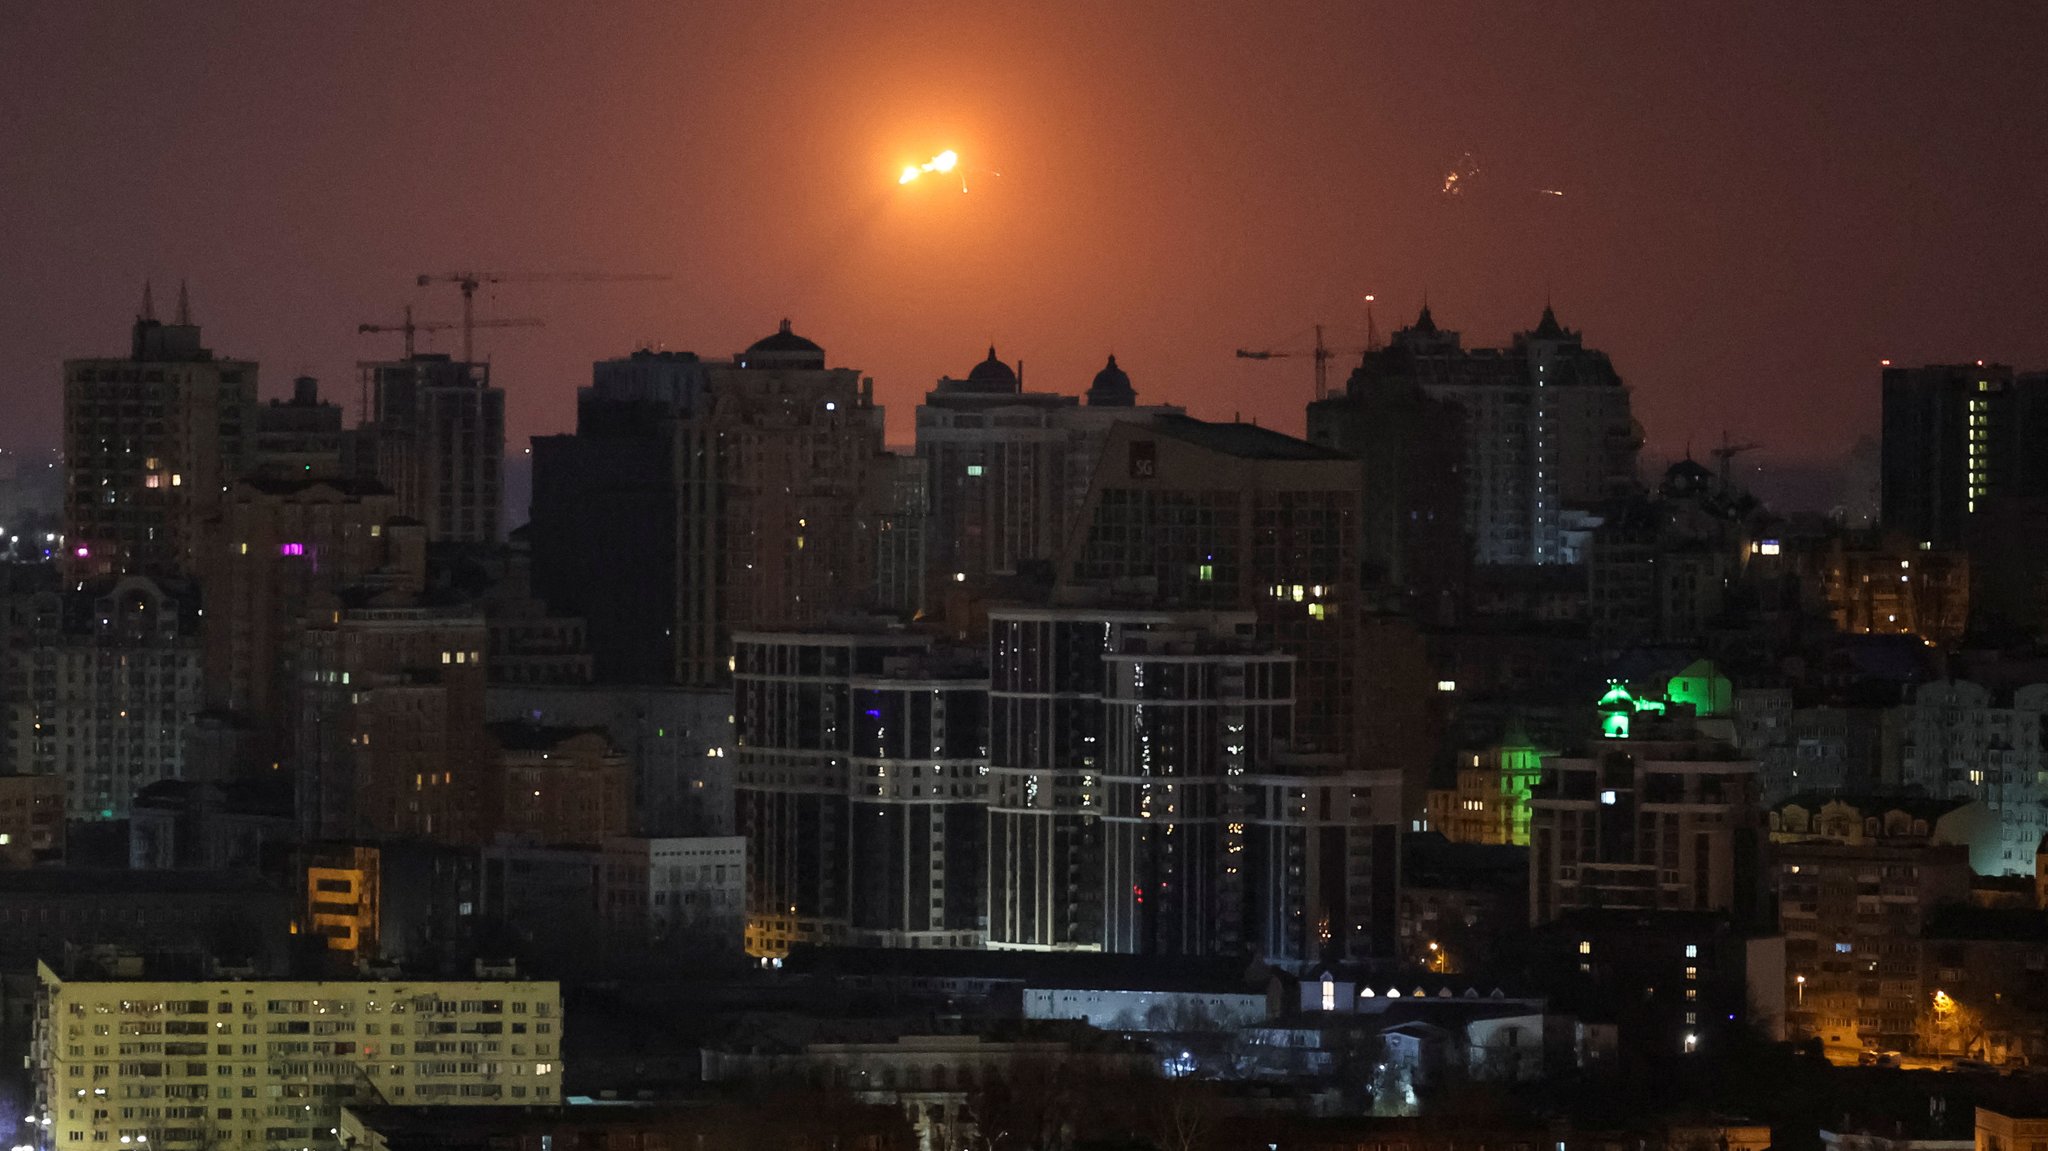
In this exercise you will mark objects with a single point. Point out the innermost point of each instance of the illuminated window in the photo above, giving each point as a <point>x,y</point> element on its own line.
<point>1329,996</point>
<point>973,469</point>
<point>1585,947</point>
<point>1449,685</point>
<point>1608,798</point>
<point>1315,611</point>
<point>1692,950</point>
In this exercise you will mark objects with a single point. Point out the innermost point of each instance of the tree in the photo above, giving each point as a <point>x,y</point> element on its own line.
<point>1947,1026</point>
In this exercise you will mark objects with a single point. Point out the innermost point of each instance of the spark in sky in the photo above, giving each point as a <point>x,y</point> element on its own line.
<point>1460,176</point>
<point>943,162</point>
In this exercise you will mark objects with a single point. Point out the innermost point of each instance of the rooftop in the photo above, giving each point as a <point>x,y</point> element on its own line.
<point>1245,441</point>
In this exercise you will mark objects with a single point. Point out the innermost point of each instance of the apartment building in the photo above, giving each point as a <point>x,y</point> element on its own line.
<point>125,1060</point>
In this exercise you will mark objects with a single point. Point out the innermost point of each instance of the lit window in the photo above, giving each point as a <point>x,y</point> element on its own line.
<point>1692,950</point>
<point>1608,798</point>
<point>1585,947</point>
<point>973,469</point>
<point>1329,996</point>
<point>1448,685</point>
<point>1692,973</point>
<point>1315,611</point>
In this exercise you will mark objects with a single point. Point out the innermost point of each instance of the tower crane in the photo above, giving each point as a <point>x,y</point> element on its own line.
<point>1726,453</point>
<point>1320,353</point>
<point>411,327</point>
<point>470,281</point>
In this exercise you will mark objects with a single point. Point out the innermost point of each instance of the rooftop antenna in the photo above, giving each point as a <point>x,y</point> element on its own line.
<point>184,305</point>
<point>148,302</point>
<point>1372,331</point>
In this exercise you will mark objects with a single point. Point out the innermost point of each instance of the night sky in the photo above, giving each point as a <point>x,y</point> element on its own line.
<point>1760,201</point>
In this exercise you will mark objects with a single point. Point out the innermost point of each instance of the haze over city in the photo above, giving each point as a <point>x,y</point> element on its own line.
<point>1758,205</point>
<point>1378,576</point>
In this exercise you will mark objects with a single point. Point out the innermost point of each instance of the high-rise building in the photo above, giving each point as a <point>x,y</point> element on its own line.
<point>151,443</point>
<point>1413,540</point>
<point>678,741</point>
<point>627,520</point>
<point>1956,436</point>
<point>1007,469</point>
<point>1955,740</point>
<point>1654,814</point>
<point>299,438</point>
<point>1323,855</point>
<point>100,685</point>
<point>309,1049</point>
<point>804,480</point>
<point>1196,516</point>
<point>281,553</point>
<point>390,739</point>
<point>1191,716</point>
<point>696,498</point>
<point>556,786</point>
<point>1142,799</point>
<point>436,437</point>
<point>1547,428</point>
<point>862,761</point>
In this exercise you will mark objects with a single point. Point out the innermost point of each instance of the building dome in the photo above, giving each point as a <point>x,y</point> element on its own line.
<point>784,349</point>
<point>992,374</point>
<point>1112,388</point>
<point>1687,477</point>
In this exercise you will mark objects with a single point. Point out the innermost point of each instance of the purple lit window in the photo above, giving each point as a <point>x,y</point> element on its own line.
<point>291,549</point>
<point>874,714</point>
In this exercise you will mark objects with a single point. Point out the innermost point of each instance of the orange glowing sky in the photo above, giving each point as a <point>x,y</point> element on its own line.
<point>1759,204</point>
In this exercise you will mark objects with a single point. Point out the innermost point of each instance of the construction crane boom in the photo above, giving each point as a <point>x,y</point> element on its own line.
<point>1726,453</point>
<point>1321,354</point>
<point>470,281</point>
<point>411,327</point>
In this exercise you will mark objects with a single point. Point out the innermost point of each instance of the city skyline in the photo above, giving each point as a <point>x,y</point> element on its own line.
<point>1721,181</point>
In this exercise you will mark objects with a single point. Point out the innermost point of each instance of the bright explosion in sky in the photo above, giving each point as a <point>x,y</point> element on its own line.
<point>943,162</point>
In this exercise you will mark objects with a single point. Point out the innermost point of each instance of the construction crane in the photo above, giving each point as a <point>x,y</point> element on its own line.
<point>470,281</point>
<point>1321,354</point>
<point>411,327</point>
<point>1726,453</point>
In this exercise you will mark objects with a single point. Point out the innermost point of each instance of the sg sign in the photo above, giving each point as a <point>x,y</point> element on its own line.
<point>1144,460</point>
